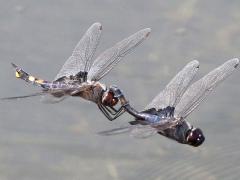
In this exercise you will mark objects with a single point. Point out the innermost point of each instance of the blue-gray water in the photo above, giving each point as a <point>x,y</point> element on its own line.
<point>60,141</point>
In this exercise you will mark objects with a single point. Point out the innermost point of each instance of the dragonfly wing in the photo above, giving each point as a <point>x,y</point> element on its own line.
<point>172,93</point>
<point>24,96</point>
<point>137,131</point>
<point>116,131</point>
<point>52,95</point>
<point>58,95</point>
<point>198,91</point>
<point>82,55</point>
<point>45,97</point>
<point>109,58</point>
<point>50,99</point>
<point>143,131</point>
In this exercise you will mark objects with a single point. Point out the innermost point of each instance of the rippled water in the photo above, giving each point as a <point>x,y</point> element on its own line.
<point>39,141</point>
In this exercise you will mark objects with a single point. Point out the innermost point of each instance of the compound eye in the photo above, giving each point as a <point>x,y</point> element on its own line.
<point>114,101</point>
<point>195,137</point>
<point>108,99</point>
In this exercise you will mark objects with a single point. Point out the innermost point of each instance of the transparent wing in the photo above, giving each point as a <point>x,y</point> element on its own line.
<point>116,131</point>
<point>109,58</point>
<point>172,93</point>
<point>137,131</point>
<point>45,98</point>
<point>82,55</point>
<point>198,91</point>
<point>50,99</point>
<point>53,95</point>
<point>60,94</point>
<point>143,131</point>
<point>24,96</point>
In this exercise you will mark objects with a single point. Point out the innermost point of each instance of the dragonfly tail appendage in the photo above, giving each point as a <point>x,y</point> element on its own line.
<point>19,73</point>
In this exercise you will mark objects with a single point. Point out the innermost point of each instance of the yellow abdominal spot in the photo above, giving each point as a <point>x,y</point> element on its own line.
<point>39,81</point>
<point>31,78</point>
<point>17,74</point>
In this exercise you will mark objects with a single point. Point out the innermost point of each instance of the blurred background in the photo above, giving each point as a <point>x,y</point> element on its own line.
<point>60,141</point>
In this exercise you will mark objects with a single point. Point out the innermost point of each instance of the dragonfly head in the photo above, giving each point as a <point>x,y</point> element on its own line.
<point>108,98</point>
<point>195,137</point>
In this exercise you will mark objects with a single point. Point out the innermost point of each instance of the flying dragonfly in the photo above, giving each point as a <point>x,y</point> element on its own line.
<point>80,75</point>
<point>167,112</point>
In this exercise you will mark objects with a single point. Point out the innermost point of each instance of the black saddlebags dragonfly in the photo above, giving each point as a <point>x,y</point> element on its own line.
<point>167,112</point>
<point>80,75</point>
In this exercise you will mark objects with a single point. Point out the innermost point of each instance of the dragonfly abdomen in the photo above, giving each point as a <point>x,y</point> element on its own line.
<point>29,78</point>
<point>152,118</point>
<point>47,85</point>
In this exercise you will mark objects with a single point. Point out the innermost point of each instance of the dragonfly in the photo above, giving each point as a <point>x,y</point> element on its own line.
<point>166,114</point>
<point>80,76</point>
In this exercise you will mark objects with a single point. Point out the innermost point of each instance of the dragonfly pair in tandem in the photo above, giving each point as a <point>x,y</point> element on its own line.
<point>166,113</point>
<point>80,75</point>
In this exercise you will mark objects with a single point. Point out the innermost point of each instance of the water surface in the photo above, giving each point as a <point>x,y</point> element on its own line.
<point>39,141</point>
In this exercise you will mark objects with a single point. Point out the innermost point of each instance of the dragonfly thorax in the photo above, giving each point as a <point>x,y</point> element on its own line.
<point>80,76</point>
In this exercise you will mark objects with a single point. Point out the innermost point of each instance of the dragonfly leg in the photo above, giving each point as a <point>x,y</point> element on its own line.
<point>113,115</point>
<point>105,112</point>
<point>109,113</point>
<point>120,111</point>
<point>115,112</point>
